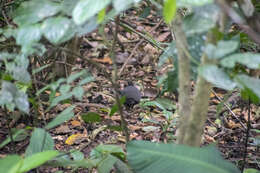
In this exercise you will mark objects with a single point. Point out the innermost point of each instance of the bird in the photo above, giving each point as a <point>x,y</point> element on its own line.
<point>132,94</point>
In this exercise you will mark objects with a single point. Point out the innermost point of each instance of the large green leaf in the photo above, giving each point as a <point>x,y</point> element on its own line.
<point>34,11</point>
<point>169,10</point>
<point>249,85</point>
<point>217,76</point>
<point>28,33</point>
<point>11,96</point>
<point>250,60</point>
<point>85,9</point>
<point>21,101</point>
<point>40,141</point>
<point>37,159</point>
<point>56,29</point>
<point>11,164</point>
<point>222,49</point>
<point>121,5</point>
<point>144,156</point>
<point>65,115</point>
<point>203,19</point>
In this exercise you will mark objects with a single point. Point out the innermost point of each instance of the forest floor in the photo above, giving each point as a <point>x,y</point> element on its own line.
<point>226,125</point>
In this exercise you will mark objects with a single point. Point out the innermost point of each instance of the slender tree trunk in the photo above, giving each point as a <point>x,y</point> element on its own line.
<point>183,77</point>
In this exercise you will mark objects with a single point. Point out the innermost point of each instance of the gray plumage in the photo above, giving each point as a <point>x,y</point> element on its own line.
<point>132,94</point>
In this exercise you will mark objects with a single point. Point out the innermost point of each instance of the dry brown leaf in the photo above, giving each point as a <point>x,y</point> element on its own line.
<point>162,37</point>
<point>105,60</point>
<point>49,92</point>
<point>75,123</point>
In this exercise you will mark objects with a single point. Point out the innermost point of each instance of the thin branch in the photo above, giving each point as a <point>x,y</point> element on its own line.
<point>229,109</point>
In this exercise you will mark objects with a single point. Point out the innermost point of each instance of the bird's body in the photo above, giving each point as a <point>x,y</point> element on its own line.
<point>132,94</point>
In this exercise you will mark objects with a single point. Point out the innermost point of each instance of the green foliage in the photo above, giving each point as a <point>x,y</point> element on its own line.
<point>17,164</point>
<point>91,117</point>
<point>144,156</point>
<point>107,156</point>
<point>40,141</point>
<point>115,107</point>
<point>17,136</point>
<point>169,10</point>
<point>217,76</point>
<point>64,116</point>
<point>165,105</point>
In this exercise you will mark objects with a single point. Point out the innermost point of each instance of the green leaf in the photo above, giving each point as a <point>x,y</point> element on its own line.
<point>203,19</point>
<point>18,134</point>
<point>28,33</point>
<point>21,101</point>
<point>222,49</point>
<point>77,155</point>
<point>65,115</point>
<point>169,10</point>
<point>34,11</point>
<point>115,107</point>
<point>78,92</point>
<point>251,170</point>
<point>56,29</point>
<point>68,6</point>
<point>251,87</point>
<point>250,60</point>
<point>58,99</point>
<point>217,76</point>
<point>21,74</point>
<point>76,76</point>
<point>64,89</point>
<point>107,164</point>
<point>37,159</point>
<point>86,9</point>
<point>91,117</point>
<point>191,3</point>
<point>11,164</point>
<point>121,5</point>
<point>144,156</point>
<point>40,141</point>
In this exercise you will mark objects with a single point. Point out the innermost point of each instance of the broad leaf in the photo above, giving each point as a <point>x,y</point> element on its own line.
<point>86,9</point>
<point>144,156</point>
<point>250,60</point>
<point>21,101</point>
<point>203,19</point>
<point>251,87</point>
<point>222,49</point>
<point>65,115</point>
<point>56,29</point>
<point>11,164</point>
<point>40,141</point>
<point>217,76</point>
<point>34,11</point>
<point>28,34</point>
<point>78,92</point>
<point>37,159</point>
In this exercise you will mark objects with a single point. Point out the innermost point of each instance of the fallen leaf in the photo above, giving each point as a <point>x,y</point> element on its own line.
<point>75,123</point>
<point>105,60</point>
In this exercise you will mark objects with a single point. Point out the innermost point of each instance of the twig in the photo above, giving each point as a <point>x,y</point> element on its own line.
<point>143,35</point>
<point>114,80</point>
<point>247,136</point>
<point>238,20</point>
<point>136,46</point>
<point>229,109</point>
